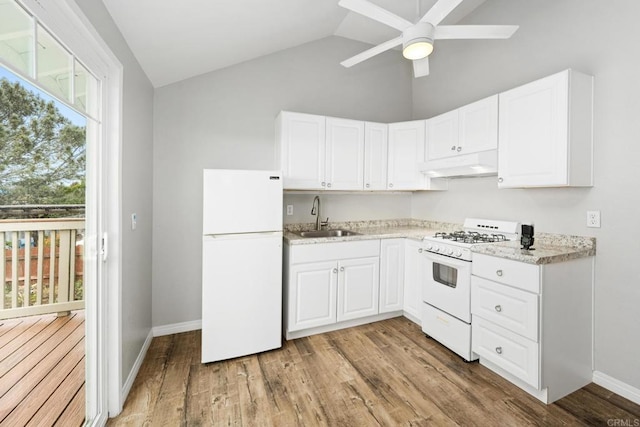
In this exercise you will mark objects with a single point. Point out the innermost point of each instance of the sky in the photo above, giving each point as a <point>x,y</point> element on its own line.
<point>75,117</point>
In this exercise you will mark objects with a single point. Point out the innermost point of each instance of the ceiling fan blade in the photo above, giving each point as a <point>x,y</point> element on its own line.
<point>439,11</point>
<point>450,32</point>
<point>370,10</point>
<point>390,44</point>
<point>421,67</point>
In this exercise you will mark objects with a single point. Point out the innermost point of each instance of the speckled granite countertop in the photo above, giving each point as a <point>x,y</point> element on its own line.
<point>383,229</point>
<point>549,248</point>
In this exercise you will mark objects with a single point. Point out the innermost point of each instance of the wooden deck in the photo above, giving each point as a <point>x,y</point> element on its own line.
<point>382,374</point>
<point>42,377</point>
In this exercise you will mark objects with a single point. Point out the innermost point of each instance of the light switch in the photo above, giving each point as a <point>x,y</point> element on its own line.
<point>134,221</point>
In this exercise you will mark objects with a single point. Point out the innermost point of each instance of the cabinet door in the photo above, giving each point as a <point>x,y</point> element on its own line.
<point>358,287</point>
<point>375,156</point>
<point>442,135</point>
<point>312,295</point>
<point>413,277</point>
<point>344,154</point>
<point>391,275</point>
<point>406,150</point>
<point>533,134</point>
<point>478,126</point>
<point>302,150</point>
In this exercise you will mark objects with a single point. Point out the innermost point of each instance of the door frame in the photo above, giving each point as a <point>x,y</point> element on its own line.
<point>103,241</point>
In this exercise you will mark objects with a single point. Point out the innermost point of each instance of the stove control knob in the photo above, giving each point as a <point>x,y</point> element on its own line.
<point>428,246</point>
<point>436,248</point>
<point>449,251</point>
<point>457,254</point>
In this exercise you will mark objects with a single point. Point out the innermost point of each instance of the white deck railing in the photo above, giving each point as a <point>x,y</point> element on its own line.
<point>41,266</point>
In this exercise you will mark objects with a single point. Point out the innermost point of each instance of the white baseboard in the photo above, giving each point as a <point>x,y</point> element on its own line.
<point>126,388</point>
<point>177,328</point>
<point>617,386</point>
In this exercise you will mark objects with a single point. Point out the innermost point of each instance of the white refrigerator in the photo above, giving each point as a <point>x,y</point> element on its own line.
<point>241,263</point>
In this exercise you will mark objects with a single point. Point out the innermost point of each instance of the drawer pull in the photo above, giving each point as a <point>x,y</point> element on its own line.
<point>499,350</point>
<point>499,273</point>
<point>498,308</point>
<point>335,271</point>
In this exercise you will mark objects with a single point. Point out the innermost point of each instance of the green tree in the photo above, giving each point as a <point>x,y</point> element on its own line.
<point>42,154</point>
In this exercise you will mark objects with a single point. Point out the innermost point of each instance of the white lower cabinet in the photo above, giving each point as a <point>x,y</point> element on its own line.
<point>329,283</point>
<point>391,275</point>
<point>358,284</point>
<point>413,277</point>
<point>533,323</point>
<point>313,288</point>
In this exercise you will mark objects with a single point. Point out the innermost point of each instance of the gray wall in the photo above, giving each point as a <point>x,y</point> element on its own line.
<point>137,146</point>
<point>595,37</point>
<point>225,119</point>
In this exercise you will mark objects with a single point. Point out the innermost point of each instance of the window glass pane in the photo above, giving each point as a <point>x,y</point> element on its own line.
<point>86,90</point>
<point>16,37</point>
<point>54,65</point>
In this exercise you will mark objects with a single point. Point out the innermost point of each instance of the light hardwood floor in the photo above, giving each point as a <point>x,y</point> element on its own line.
<point>42,370</point>
<point>386,373</point>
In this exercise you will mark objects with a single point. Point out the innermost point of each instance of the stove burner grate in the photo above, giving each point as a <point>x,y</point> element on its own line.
<point>471,237</point>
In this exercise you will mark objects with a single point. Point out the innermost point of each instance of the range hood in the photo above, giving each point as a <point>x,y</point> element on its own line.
<point>483,163</point>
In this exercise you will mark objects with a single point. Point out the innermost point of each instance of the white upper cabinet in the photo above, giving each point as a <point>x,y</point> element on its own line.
<point>406,152</point>
<point>442,135</point>
<point>478,126</point>
<point>301,140</point>
<point>545,133</point>
<point>344,164</point>
<point>320,153</point>
<point>469,129</point>
<point>375,156</point>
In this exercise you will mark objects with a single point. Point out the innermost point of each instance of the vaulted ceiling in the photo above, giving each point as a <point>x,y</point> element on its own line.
<point>177,39</point>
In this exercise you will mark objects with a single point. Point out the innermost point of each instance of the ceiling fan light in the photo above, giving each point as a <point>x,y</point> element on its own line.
<point>417,50</point>
<point>417,41</point>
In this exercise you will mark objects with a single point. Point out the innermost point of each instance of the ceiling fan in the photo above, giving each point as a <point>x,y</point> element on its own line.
<point>417,39</point>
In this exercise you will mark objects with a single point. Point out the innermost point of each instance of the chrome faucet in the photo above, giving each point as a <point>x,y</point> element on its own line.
<point>315,210</point>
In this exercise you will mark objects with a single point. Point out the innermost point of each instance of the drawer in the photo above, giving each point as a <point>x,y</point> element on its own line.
<point>513,273</point>
<point>333,251</point>
<point>511,308</point>
<point>511,352</point>
<point>447,330</point>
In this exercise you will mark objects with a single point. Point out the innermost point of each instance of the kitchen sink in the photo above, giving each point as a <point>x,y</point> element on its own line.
<point>327,233</point>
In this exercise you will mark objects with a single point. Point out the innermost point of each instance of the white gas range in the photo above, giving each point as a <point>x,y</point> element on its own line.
<point>446,288</point>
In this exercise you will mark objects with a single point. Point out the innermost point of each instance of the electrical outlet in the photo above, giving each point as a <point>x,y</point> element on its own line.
<point>593,219</point>
<point>289,209</point>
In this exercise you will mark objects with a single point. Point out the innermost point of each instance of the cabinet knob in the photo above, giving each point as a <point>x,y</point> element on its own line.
<point>500,179</point>
<point>329,185</point>
<point>323,183</point>
<point>459,149</point>
<point>335,270</point>
<point>341,268</point>
<point>368,186</point>
<point>453,148</point>
<point>499,273</point>
<point>390,185</point>
<point>420,250</point>
<point>498,308</point>
<point>499,350</point>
